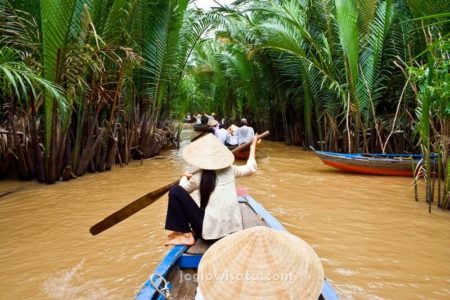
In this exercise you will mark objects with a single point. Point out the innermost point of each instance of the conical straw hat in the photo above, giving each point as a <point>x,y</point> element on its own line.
<point>260,263</point>
<point>212,122</point>
<point>208,153</point>
<point>233,128</point>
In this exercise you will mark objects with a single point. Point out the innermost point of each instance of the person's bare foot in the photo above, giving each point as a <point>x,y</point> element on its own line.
<point>181,239</point>
<point>172,234</point>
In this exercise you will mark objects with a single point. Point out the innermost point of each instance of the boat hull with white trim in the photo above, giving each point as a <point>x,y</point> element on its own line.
<point>178,269</point>
<point>374,164</point>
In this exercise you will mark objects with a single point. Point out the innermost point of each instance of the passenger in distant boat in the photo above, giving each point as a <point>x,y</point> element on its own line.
<point>260,263</point>
<point>221,134</point>
<point>245,133</point>
<point>218,212</point>
<point>210,117</point>
<point>188,117</point>
<point>198,119</point>
<point>232,139</point>
<point>213,124</point>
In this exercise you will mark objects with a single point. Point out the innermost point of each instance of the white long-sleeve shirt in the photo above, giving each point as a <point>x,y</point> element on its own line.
<point>245,134</point>
<point>232,139</point>
<point>223,213</point>
<point>221,134</point>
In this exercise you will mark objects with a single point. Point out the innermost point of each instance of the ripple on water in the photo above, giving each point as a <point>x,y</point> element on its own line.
<point>70,284</point>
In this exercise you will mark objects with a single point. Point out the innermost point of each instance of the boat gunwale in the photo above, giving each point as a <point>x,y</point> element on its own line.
<point>373,157</point>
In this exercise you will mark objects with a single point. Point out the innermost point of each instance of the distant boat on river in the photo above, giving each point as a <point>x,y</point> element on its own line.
<point>201,127</point>
<point>240,154</point>
<point>375,164</point>
<point>178,269</point>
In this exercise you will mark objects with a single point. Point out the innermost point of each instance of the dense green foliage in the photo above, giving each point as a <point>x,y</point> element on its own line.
<point>324,72</point>
<point>343,75</point>
<point>87,83</point>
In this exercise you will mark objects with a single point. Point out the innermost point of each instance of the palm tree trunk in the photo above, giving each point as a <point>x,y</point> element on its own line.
<point>38,159</point>
<point>17,148</point>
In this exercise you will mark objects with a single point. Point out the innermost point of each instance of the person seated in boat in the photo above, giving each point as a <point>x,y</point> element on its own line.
<point>218,212</point>
<point>260,263</point>
<point>244,133</point>
<point>221,134</point>
<point>198,119</point>
<point>210,117</point>
<point>214,125</point>
<point>232,139</point>
<point>204,120</point>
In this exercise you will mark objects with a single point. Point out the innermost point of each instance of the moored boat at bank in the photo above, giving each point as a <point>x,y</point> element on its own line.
<point>375,164</point>
<point>177,271</point>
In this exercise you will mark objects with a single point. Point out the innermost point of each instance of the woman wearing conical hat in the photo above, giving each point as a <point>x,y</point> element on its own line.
<point>219,213</point>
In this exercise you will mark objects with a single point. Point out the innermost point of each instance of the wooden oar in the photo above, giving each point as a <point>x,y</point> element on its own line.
<point>145,201</point>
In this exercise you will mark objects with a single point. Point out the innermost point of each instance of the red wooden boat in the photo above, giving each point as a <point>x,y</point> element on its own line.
<point>376,164</point>
<point>241,154</point>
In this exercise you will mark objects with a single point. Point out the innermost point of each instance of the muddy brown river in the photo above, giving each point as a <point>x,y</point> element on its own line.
<point>374,240</point>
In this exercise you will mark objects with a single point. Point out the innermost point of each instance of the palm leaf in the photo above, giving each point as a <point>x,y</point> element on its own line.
<point>23,80</point>
<point>347,21</point>
<point>370,84</point>
<point>59,21</point>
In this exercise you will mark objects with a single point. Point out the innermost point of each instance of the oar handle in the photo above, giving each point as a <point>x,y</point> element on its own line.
<point>246,145</point>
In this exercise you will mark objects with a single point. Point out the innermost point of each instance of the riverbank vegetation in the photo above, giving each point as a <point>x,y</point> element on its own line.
<point>88,83</point>
<point>85,83</point>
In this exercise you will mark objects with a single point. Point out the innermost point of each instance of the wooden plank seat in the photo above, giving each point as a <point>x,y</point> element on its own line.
<point>249,219</point>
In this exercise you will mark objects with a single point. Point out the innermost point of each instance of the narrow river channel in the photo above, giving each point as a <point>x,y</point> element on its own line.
<point>374,240</point>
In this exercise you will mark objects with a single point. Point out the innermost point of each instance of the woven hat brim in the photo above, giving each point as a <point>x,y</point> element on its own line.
<point>297,272</point>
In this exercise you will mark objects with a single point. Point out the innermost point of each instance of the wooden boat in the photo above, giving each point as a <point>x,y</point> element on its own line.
<point>177,271</point>
<point>201,127</point>
<point>240,154</point>
<point>376,164</point>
